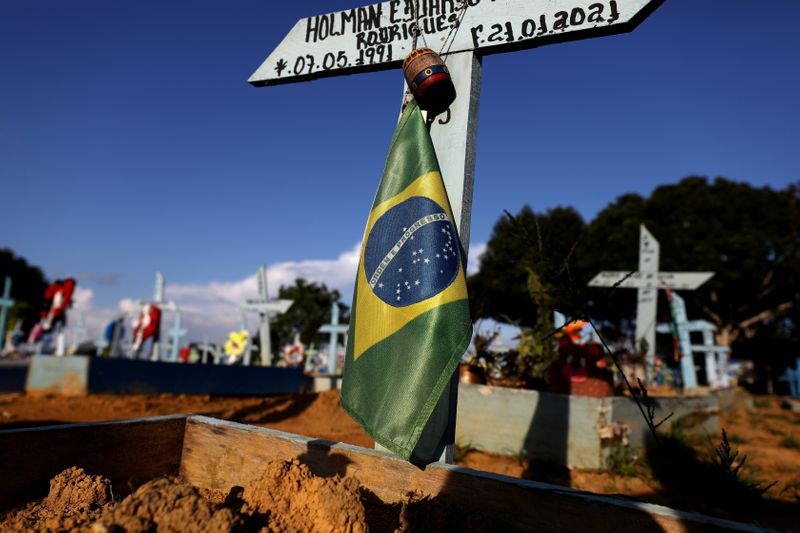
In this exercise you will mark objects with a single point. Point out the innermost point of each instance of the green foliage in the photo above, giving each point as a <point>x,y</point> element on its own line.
<point>719,480</point>
<point>522,243</point>
<point>28,285</point>
<point>461,449</point>
<point>532,280</point>
<point>749,236</point>
<point>310,310</point>
<point>623,461</point>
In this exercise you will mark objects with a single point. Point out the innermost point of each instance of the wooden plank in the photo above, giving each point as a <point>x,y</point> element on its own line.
<point>379,36</point>
<point>124,451</point>
<point>219,455</point>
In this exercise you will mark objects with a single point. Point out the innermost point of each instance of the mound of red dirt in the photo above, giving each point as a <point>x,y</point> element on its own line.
<point>286,497</point>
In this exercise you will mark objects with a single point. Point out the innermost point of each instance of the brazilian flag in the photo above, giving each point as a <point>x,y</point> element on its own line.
<point>410,322</point>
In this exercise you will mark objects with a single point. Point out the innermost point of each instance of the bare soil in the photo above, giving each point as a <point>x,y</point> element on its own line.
<point>286,497</point>
<point>767,435</point>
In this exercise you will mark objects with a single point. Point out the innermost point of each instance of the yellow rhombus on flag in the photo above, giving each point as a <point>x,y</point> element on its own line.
<point>410,323</point>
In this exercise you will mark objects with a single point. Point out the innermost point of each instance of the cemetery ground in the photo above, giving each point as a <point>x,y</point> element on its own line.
<point>766,434</point>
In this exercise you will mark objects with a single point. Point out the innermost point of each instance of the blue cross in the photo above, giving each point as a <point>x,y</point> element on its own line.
<point>334,328</point>
<point>176,332</point>
<point>6,303</point>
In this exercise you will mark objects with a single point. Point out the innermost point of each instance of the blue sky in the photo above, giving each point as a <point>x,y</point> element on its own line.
<point>130,141</point>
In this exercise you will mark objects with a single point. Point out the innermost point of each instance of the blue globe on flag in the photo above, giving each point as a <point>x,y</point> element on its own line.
<point>412,253</point>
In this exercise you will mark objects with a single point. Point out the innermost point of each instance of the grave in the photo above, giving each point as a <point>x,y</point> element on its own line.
<point>162,304</point>
<point>266,309</point>
<point>792,377</point>
<point>176,334</point>
<point>647,280</point>
<point>380,36</point>
<point>216,455</point>
<point>205,350</point>
<point>58,298</point>
<point>715,358</point>
<point>6,303</point>
<point>574,431</point>
<point>334,329</point>
<point>79,375</point>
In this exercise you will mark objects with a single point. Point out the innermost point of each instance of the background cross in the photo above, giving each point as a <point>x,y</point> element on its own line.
<point>176,333</point>
<point>265,308</point>
<point>335,329</point>
<point>164,305</point>
<point>647,281</point>
<point>379,36</point>
<point>6,303</point>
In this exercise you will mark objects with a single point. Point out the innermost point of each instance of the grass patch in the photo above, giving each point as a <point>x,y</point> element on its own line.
<point>761,404</point>
<point>718,480</point>
<point>623,461</point>
<point>461,450</point>
<point>790,442</point>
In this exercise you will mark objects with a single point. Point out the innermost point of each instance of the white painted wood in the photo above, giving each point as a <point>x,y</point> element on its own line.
<point>648,280</point>
<point>379,36</point>
<point>647,297</point>
<point>679,281</point>
<point>266,309</point>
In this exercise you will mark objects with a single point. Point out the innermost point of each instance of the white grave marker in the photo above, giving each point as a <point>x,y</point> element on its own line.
<point>379,36</point>
<point>177,333</point>
<point>6,303</point>
<point>335,329</point>
<point>164,305</point>
<point>265,308</point>
<point>647,281</point>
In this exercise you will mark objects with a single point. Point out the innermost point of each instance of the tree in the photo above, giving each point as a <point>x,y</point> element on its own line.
<point>310,310</point>
<point>523,245</point>
<point>28,285</point>
<point>749,236</point>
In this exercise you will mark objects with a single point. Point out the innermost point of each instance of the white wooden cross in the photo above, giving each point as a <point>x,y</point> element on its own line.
<point>335,329</point>
<point>647,281</point>
<point>6,303</point>
<point>205,349</point>
<point>380,36</point>
<point>177,333</point>
<point>164,305</point>
<point>265,308</point>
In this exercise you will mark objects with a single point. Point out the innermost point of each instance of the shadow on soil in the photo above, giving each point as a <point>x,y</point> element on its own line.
<point>714,484</point>
<point>270,410</point>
